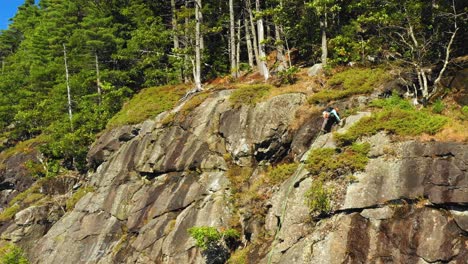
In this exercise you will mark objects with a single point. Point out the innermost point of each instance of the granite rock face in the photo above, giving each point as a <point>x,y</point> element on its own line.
<point>153,181</point>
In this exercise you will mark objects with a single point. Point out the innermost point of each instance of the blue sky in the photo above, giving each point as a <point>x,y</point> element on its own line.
<point>8,10</point>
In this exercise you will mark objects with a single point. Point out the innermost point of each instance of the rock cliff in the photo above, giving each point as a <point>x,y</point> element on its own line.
<point>154,180</point>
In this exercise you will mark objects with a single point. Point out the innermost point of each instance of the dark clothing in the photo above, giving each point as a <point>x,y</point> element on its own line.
<point>330,117</point>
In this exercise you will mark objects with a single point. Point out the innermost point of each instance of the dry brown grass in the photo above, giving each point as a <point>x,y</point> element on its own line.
<point>454,130</point>
<point>302,115</point>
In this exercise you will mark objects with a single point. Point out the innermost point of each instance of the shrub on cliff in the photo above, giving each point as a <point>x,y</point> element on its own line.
<point>396,116</point>
<point>249,94</point>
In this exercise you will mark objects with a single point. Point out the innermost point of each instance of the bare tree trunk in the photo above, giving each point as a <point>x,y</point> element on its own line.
<point>200,18</point>
<point>174,25</point>
<point>280,49</point>
<point>248,41</point>
<point>261,51</point>
<point>98,79</point>
<point>232,40</point>
<point>186,56</point>
<point>254,33</point>
<point>323,28</point>
<point>197,66</point>
<point>238,46</point>
<point>447,52</point>
<point>70,114</point>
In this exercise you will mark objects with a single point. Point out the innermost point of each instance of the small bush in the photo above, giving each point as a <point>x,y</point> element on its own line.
<point>249,94</point>
<point>71,202</point>
<point>288,76</point>
<point>438,107</point>
<point>12,254</point>
<point>280,173</point>
<point>206,235</point>
<point>349,82</point>
<point>464,111</point>
<point>318,197</point>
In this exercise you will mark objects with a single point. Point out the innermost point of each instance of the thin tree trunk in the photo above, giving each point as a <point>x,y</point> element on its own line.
<point>200,18</point>
<point>186,57</point>
<point>254,33</point>
<point>232,40</point>
<point>447,52</point>
<point>261,51</point>
<point>174,25</point>
<point>280,49</point>
<point>238,46</point>
<point>70,114</point>
<point>197,66</point>
<point>98,79</point>
<point>323,28</point>
<point>248,41</point>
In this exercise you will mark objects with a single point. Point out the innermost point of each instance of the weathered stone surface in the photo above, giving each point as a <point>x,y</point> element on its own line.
<point>108,143</point>
<point>15,176</point>
<point>153,182</point>
<point>315,70</point>
<point>414,236</point>
<point>434,170</point>
<point>260,131</point>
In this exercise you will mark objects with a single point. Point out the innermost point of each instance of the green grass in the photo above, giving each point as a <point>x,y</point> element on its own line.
<point>71,202</point>
<point>395,117</point>
<point>327,163</point>
<point>12,254</point>
<point>146,104</point>
<point>9,212</point>
<point>350,82</point>
<point>249,94</point>
<point>280,173</point>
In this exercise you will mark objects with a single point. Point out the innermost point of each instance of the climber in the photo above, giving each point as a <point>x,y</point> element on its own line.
<point>330,117</point>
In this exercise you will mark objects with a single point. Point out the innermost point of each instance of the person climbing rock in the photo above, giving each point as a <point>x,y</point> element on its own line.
<point>330,117</point>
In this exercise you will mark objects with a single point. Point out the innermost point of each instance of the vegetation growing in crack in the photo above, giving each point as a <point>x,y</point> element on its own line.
<point>326,165</point>
<point>71,202</point>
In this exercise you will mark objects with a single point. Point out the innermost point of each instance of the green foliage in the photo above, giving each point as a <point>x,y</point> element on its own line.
<point>12,254</point>
<point>438,107</point>
<point>288,76</point>
<point>349,82</point>
<point>464,111</point>
<point>239,256</point>
<point>393,102</point>
<point>249,94</point>
<point>328,163</point>
<point>206,235</point>
<point>71,202</point>
<point>280,173</point>
<point>9,212</point>
<point>318,197</point>
<point>148,103</point>
<point>396,117</point>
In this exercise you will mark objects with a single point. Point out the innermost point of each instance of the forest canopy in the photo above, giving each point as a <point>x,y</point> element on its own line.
<point>68,66</point>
